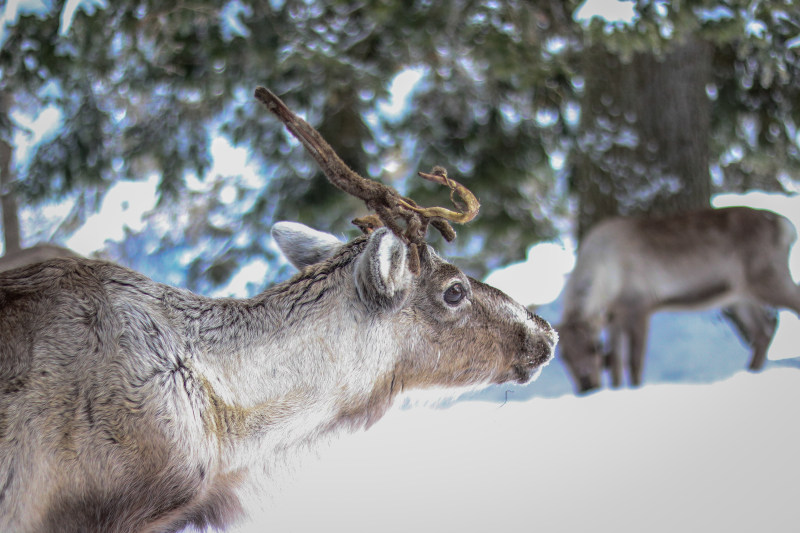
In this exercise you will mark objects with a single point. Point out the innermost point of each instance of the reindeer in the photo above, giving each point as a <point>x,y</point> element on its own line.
<point>629,268</point>
<point>128,405</point>
<point>35,254</point>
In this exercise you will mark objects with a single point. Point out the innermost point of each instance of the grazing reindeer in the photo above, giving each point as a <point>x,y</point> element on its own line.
<point>629,268</point>
<point>127,405</point>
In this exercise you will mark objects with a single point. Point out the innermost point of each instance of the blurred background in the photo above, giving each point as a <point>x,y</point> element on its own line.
<point>129,131</point>
<point>555,113</point>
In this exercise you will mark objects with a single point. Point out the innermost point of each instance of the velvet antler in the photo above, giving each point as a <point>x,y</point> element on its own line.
<point>389,206</point>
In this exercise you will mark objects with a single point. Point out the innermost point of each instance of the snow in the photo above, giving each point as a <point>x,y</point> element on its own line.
<point>32,129</point>
<point>123,209</point>
<point>720,457</point>
<point>540,278</point>
<point>72,6</point>
<point>12,10</point>
<point>622,12</point>
<point>400,91</point>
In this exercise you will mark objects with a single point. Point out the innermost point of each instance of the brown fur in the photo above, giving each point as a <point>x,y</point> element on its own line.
<point>127,405</point>
<point>629,268</point>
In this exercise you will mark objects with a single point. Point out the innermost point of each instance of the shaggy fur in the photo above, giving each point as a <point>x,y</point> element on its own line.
<point>127,405</point>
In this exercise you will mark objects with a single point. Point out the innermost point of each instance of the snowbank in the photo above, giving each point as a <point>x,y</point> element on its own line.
<point>722,457</point>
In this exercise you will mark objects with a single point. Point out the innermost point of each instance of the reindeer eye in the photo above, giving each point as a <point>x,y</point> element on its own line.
<point>454,293</point>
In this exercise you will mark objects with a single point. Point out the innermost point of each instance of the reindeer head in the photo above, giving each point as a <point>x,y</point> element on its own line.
<point>582,353</point>
<point>444,328</point>
<point>438,328</point>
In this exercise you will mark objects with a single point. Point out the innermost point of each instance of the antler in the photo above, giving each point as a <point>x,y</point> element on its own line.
<point>389,206</point>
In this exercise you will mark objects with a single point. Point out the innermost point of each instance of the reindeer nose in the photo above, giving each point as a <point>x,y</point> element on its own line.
<point>539,348</point>
<point>586,385</point>
<point>547,331</point>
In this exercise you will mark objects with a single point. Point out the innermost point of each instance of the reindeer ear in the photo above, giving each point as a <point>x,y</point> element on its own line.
<point>302,245</point>
<point>381,274</point>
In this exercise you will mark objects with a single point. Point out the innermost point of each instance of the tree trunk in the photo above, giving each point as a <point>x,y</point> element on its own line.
<point>8,199</point>
<point>645,127</point>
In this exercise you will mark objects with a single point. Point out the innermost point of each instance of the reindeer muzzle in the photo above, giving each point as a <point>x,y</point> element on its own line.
<point>538,350</point>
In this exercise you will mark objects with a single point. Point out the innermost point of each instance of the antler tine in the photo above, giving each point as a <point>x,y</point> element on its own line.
<point>469,212</point>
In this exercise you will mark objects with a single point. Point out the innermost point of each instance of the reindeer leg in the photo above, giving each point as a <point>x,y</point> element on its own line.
<point>772,284</point>
<point>760,345</point>
<point>613,357</point>
<point>636,333</point>
<point>777,290</point>
<point>756,325</point>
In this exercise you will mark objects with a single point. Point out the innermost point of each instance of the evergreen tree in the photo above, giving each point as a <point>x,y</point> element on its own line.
<point>505,97</point>
<point>688,100</point>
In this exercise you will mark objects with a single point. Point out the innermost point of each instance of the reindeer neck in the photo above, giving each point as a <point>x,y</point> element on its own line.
<point>284,361</point>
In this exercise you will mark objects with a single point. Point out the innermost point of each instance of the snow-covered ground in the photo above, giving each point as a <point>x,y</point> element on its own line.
<point>703,446</point>
<point>723,457</point>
